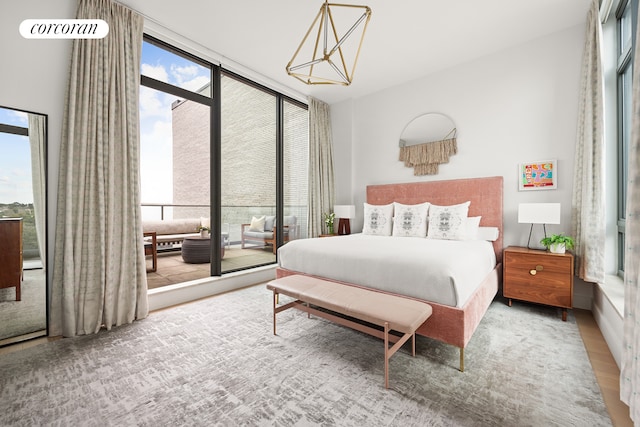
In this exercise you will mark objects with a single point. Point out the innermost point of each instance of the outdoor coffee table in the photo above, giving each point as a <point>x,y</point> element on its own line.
<point>197,250</point>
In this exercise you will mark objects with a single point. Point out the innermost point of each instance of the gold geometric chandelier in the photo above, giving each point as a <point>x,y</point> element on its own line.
<point>326,60</point>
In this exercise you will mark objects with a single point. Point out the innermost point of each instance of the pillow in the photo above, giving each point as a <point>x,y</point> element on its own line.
<point>269,222</point>
<point>448,222</point>
<point>488,233</point>
<point>378,219</point>
<point>410,220</point>
<point>257,224</point>
<point>472,224</point>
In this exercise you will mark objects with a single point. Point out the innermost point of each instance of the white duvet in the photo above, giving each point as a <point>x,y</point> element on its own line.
<point>442,271</point>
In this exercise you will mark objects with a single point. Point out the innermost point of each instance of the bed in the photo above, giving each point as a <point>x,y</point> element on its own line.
<point>456,312</point>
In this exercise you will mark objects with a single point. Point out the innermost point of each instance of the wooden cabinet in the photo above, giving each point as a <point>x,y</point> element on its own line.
<point>538,276</point>
<point>11,254</point>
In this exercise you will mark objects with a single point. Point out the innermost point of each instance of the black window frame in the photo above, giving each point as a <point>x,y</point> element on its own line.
<point>214,101</point>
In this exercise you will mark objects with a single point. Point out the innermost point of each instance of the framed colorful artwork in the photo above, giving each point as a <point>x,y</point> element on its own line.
<point>541,175</point>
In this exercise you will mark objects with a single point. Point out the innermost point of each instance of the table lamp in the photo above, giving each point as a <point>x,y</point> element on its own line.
<point>538,213</point>
<point>345,213</point>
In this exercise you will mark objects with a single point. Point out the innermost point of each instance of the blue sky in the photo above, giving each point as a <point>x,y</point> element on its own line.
<point>15,160</point>
<point>155,118</point>
<point>155,132</point>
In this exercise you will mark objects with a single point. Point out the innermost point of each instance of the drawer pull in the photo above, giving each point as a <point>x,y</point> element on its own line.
<point>533,272</point>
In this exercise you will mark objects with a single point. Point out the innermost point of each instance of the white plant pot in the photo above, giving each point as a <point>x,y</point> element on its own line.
<point>204,233</point>
<point>557,248</point>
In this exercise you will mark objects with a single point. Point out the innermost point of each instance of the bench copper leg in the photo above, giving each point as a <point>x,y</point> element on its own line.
<point>461,359</point>
<point>413,341</point>
<point>386,354</point>
<point>275,303</point>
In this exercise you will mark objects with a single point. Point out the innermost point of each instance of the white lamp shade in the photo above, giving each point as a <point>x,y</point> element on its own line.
<point>539,213</point>
<point>344,211</point>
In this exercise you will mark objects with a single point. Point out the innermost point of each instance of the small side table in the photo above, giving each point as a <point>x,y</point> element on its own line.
<point>151,248</point>
<point>328,235</point>
<point>538,276</point>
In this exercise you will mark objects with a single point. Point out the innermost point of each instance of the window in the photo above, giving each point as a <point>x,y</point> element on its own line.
<point>626,25</point>
<point>222,148</point>
<point>16,197</point>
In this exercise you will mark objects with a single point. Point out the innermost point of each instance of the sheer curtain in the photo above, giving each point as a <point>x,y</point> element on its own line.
<point>37,138</point>
<point>630,369</point>
<point>321,183</point>
<point>99,274</point>
<point>588,180</point>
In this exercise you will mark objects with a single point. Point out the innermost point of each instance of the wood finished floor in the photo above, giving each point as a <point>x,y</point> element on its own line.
<point>603,364</point>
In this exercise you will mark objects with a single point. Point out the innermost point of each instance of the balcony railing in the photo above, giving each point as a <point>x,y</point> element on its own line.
<point>232,216</point>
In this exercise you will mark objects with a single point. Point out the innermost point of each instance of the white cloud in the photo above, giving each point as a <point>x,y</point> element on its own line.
<point>196,84</point>
<point>156,163</point>
<point>21,116</point>
<point>183,73</point>
<point>155,104</point>
<point>157,72</point>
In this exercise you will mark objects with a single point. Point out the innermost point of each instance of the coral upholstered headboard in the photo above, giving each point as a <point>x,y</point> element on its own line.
<point>485,195</point>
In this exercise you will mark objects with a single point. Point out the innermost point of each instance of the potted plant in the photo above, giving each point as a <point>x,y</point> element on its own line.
<point>558,243</point>
<point>328,220</point>
<point>204,231</point>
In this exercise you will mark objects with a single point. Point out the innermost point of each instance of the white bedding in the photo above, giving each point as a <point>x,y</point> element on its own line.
<point>442,271</point>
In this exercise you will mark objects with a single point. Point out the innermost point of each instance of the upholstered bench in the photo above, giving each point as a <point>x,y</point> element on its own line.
<point>390,312</point>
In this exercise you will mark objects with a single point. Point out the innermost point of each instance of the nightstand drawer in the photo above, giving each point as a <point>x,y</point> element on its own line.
<point>545,288</point>
<point>540,263</point>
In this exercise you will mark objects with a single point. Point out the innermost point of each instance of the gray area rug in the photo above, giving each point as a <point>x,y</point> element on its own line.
<point>30,313</point>
<point>216,362</point>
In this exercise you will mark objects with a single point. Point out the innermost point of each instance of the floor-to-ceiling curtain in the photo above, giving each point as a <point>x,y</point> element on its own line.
<point>321,183</point>
<point>99,274</point>
<point>37,139</point>
<point>587,207</point>
<point>630,367</point>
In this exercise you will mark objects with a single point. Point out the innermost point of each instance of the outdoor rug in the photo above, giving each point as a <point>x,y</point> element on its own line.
<point>217,362</point>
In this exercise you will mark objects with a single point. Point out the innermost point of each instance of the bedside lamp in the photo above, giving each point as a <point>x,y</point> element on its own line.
<point>538,213</point>
<point>345,213</point>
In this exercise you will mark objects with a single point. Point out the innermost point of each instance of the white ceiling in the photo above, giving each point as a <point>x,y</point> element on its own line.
<point>405,39</point>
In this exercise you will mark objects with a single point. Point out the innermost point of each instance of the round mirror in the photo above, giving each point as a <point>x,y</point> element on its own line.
<point>428,127</point>
<point>427,142</point>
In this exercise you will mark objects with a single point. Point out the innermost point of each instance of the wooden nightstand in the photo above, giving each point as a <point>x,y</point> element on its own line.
<point>327,235</point>
<point>538,276</point>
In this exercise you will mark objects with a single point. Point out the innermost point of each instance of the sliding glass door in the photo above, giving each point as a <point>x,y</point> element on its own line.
<point>222,152</point>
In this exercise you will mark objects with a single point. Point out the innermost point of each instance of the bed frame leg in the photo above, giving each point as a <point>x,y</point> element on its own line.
<point>461,359</point>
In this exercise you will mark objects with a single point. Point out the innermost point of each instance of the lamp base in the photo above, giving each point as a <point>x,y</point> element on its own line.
<point>530,230</point>
<point>344,226</point>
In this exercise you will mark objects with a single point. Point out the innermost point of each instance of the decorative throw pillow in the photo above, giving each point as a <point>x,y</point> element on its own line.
<point>448,222</point>
<point>257,224</point>
<point>378,219</point>
<point>269,222</point>
<point>410,220</point>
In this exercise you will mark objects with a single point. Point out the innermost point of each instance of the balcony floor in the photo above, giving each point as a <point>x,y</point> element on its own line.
<point>172,269</point>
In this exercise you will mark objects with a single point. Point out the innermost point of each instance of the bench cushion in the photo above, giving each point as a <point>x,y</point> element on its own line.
<point>403,314</point>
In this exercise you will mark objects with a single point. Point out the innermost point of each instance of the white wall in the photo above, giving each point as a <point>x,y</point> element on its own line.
<point>513,106</point>
<point>34,76</point>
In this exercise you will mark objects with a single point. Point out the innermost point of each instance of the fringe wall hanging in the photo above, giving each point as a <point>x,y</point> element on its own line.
<point>427,142</point>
